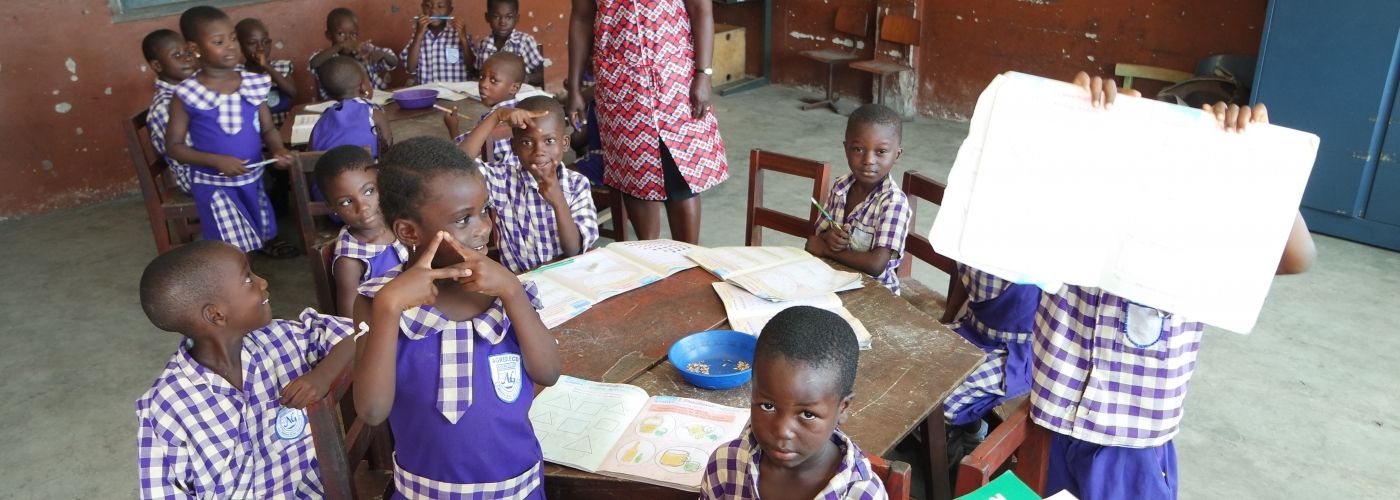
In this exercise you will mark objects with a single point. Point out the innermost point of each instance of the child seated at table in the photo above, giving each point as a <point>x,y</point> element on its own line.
<point>544,211</point>
<point>226,416</point>
<point>455,345</point>
<point>500,81</point>
<point>343,31</point>
<point>352,120</point>
<point>256,44</point>
<point>502,15</point>
<point>366,247</point>
<point>171,59</point>
<point>804,373</point>
<point>871,211</point>
<point>439,49</point>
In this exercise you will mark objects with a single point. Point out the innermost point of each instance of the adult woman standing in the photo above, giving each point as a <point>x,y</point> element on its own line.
<point>661,142</point>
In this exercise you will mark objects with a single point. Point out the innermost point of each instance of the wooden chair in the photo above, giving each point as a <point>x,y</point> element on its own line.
<point>1017,437</point>
<point>897,476</point>
<point>758,217</point>
<point>314,243</point>
<point>1129,72</point>
<point>851,21</point>
<point>918,187</point>
<point>901,30</point>
<point>342,441</point>
<point>609,199</point>
<point>174,219</point>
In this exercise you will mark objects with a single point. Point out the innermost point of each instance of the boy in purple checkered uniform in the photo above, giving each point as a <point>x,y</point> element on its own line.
<point>439,49</point>
<point>1110,375</point>
<point>224,111</point>
<point>343,31</point>
<point>544,211</point>
<point>500,81</point>
<point>454,344</point>
<point>226,417</point>
<point>366,247</point>
<point>257,55</point>
<point>502,15</point>
<point>872,211</point>
<point>804,373</point>
<point>170,58</point>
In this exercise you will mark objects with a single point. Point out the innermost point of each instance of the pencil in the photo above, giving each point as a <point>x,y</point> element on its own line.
<point>444,108</point>
<point>828,217</point>
<point>261,163</point>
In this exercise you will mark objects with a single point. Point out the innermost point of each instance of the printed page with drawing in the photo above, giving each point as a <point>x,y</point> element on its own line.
<point>577,421</point>
<point>569,287</point>
<point>748,313</point>
<point>775,273</point>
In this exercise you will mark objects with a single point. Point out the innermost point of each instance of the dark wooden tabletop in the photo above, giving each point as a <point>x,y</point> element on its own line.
<point>468,108</point>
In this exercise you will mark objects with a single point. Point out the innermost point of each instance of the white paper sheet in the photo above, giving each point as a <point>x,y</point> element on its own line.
<point>302,125</point>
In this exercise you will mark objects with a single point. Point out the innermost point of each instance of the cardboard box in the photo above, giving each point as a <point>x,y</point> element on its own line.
<point>728,57</point>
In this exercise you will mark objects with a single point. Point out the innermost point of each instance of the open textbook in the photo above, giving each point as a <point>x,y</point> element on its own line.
<point>1147,200</point>
<point>618,430</point>
<point>302,125</point>
<point>774,273</point>
<point>569,287</point>
<point>748,313</point>
<point>472,89</point>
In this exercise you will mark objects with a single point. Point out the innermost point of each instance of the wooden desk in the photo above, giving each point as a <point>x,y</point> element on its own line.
<point>467,108</point>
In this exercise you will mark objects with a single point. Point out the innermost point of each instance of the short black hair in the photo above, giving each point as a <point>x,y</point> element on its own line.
<point>339,13</point>
<point>247,24</point>
<point>340,76</point>
<point>194,19</point>
<point>150,46</point>
<point>543,103</point>
<point>816,338</point>
<point>876,114</point>
<point>339,160</point>
<point>513,61</point>
<point>514,4</point>
<point>178,282</point>
<point>407,167</point>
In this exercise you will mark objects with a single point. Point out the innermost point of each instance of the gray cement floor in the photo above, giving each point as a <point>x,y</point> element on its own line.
<point>1304,407</point>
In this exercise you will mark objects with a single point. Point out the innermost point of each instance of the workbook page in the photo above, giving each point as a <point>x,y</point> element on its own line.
<point>578,421</point>
<point>672,439</point>
<point>598,275</point>
<point>664,257</point>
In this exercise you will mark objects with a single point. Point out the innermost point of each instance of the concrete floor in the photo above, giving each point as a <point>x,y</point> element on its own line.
<point>1305,407</point>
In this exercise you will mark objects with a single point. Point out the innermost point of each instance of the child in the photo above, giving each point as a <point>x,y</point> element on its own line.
<point>452,353</point>
<point>257,55</point>
<point>226,416</point>
<point>170,58</point>
<point>366,248</point>
<point>543,210</point>
<point>437,51</point>
<point>353,120</point>
<point>804,373</point>
<point>1110,375</point>
<point>343,31</point>
<point>225,113</point>
<point>501,15</point>
<point>872,211</point>
<point>500,81</point>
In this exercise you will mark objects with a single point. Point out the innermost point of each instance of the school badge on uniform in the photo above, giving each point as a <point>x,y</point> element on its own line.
<point>505,375</point>
<point>454,55</point>
<point>291,424</point>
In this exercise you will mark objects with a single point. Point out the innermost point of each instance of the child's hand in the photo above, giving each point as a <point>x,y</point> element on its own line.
<point>303,391</point>
<point>367,53</point>
<point>420,25</point>
<point>1234,118</point>
<point>284,157</point>
<point>451,121</point>
<point>349,47</point>
<point>837,239</point>
<point>547,176</point>
<point>519,118</point>
<point>230,166</point>
<point>1102,90</point>
<point>415,287</point>
<point>578,110</point>
<point>487,277</point>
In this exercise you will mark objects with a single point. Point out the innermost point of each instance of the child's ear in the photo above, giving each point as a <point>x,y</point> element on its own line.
<point>155,65</point>
<point>407,232</point>
<point>898,153</point>
<point>515,89</point>
<point>194,49</point>
<point>213,314</point>
<point>844,409</point>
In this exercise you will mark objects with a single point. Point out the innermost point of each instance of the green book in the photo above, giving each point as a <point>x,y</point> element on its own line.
<point>1005,487</point>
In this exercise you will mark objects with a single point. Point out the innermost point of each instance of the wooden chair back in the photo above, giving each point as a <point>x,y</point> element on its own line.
<point>853,21</point>
<point>605,197</point>
<point>172,214</point>
<point>918,187</point>
<point>1017,436</point>
<point>303,176</point>
<point>1130,72</point>
<point>342,441</point>
<point>896,26</point>
<point>896,475</point>
<point>758,217</point>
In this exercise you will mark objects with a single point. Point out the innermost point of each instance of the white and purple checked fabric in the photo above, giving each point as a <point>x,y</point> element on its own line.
<point>880,221</point>
<point>983,286</point>
<point>282,67</point>
<point>987,378</point>
<point>417,487</point>
<point>157,119</point>
<point>441,57</point>
<point>348,246</point>
<point>378,72</point>
<point>732,473</point>
<point>455,373</point>
<point>234,229</point>
<point>200,437</point>
<point>500,153</point>
<point>1109,371</point>
<point>254,89</point>
<point>526,223</point>
<point>519,43</point>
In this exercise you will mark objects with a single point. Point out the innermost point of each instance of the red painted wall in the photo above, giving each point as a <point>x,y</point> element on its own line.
<point>965,44</point>
<point>51,159</point>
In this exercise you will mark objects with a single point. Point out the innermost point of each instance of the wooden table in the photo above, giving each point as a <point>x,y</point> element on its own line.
<point>468,108</point>
<point>913,364</point>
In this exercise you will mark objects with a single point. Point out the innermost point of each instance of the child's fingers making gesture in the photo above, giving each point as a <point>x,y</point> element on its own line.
<point>1102,91</point>
<point>519,118</point>
<point>414,287</point>
<point>1234,118</point>
<point>487,277</point>
<point>547,176</point>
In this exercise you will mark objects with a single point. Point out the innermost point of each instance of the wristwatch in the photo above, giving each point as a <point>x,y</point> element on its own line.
<point>705,71</point>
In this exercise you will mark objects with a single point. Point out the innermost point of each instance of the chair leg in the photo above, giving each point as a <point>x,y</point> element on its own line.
<point>880,89</point>
<point>830,100</point>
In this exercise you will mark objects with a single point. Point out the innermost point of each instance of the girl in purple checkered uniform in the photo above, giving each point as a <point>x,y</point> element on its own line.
<point>1110,375</point>
<point>225,113</point>
<point>366,248</point>
<point>454,344</point>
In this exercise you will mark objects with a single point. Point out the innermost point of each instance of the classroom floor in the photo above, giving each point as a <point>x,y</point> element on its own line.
<point>1297,409</point>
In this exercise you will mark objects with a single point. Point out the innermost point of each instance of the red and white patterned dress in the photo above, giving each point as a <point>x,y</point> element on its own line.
<point>644,59</point>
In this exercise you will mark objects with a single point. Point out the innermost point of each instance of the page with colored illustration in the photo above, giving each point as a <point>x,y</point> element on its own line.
<point>577,421</point>
<point>671,441</point>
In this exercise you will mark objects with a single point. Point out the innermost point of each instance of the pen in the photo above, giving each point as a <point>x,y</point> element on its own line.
<point>261,163</point>
<point>436,18</point>
<point>828,216</point>
<point>444,108</point>
<point>547,267</point>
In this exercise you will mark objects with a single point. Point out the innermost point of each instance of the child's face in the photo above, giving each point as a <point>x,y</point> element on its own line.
<point>455,203</point>
<point>501,17</point>
<point>795,411</point>
<point>345,29</point>
<point>871,151</point>
<point>542,144</point>
<point>242,296</point>
<point>255,43</point>
<point>497,83</point>
<point>354,196</point>
<point>218,45</point>
<point>437,8</point>
<point>174,62</point>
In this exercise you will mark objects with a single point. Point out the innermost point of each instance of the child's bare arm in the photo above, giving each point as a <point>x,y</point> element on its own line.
<point>870,262</point>
<point>537,346</point>
<point>284,84</point>
<point>314,385</point>
<point>326,55</point>
<point>179,151</point>
<point>957,296</point>
<point>547,177</point>
<point>517,118</point>
<point>346,272</point>
<point>420,27</point>
<point>272,138</point>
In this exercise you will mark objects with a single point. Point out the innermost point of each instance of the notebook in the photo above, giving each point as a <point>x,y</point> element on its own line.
<point>569,287</point>
<point>748,313</point>
<point>302,126</point>
<point>775,273</point>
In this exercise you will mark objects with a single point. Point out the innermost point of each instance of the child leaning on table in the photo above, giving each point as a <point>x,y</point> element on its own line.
<point>454,343</point>
<point>804,373</point>
<point>1110,375</point>
<point>870,208</point>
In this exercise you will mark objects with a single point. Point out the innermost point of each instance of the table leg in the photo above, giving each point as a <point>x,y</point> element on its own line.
<point>936,439</point>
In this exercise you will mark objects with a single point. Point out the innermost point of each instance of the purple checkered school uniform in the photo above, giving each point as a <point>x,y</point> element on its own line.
<point>157,118</point>
<point>277,103</point>
<point>500,150</point>
<point>998,319</point>
<point>441,57</point>
<point>378,72</point>
<point>236,209</point>
<point>461,405</point>
<point>733,472</point>
<point>518,43</point>
<point>198,436</point>
<point>348,122</point>
<point>378,259</point>
<point>526,223</point>
<point>879,221</point>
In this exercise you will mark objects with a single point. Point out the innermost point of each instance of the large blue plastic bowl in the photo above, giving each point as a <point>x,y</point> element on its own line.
<point>415,99</point>
<point>722,350</point>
